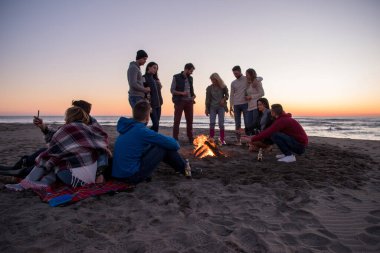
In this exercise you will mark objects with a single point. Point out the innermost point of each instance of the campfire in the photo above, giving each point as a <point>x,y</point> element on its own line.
<point>204,146</point>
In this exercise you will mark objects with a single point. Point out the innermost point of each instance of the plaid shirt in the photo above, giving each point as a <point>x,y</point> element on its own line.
<point>73,145</point>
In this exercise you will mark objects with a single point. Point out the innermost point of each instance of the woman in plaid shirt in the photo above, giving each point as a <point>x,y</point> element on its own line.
<point>71,155</point>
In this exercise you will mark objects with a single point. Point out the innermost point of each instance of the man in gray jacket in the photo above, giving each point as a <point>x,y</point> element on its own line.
<point>137,90</point>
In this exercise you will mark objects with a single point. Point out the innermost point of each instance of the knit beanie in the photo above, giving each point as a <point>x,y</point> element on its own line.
<point>141,54</point>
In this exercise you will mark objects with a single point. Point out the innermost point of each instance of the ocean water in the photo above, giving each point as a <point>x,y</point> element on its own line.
<point>366,128</point>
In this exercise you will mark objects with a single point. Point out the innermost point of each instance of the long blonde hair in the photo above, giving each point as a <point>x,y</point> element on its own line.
<point>76,113</point>
<point>218,79</point>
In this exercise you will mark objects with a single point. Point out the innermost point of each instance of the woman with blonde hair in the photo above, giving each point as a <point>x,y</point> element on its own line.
<point>216,104</point>
<point>71,155</point>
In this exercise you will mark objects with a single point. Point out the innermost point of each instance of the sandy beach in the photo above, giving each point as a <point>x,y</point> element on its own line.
<point>328,201</point>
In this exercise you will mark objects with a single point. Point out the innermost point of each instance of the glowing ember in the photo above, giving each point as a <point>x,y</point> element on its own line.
<point>203,146</point>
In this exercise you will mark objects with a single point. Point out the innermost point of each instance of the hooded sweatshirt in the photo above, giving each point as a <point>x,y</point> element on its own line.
<point>134,139</point>
<point>135,80</point>
<point>287,125</point>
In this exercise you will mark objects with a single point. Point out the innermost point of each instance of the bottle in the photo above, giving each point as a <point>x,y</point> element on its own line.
<point>260,155</point>
<point>187,169</point>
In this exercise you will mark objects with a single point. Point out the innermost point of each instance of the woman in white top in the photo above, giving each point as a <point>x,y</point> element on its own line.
<point>254,91</point>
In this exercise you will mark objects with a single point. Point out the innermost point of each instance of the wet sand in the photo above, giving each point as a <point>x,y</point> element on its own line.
<point>328,201</point>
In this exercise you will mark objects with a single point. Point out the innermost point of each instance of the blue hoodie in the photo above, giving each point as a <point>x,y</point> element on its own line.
<point>133,140</point>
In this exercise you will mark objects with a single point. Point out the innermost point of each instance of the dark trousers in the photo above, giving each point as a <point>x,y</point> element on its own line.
<point>152,158</point>
<point>287,144</point>
<point>187,107</point>
<point>155,115</point>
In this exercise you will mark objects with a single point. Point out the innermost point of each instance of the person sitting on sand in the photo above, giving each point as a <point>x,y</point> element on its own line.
<point>216,104</point>
<point>71,155</point>
<point>23,167</point>
<point>286,133</point>
<point>138,150</point>
<point>264,120</point>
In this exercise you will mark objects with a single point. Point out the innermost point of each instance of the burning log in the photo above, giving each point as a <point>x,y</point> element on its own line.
<point>214,148</point>
<point>206,147</point>
<point>201,151</point>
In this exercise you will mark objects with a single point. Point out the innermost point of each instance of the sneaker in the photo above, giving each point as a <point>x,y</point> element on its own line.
<point>280,156</point>
<point>28,184</point>
<point>187,169</point>
<point>238,143</point>
<point>221,142</point>
<point>14,187</point>
<point>288,159</point>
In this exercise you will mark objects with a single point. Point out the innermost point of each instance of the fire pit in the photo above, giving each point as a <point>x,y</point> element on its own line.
<point>204,146</point>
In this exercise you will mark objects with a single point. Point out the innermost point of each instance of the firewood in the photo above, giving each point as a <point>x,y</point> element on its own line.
<point>214,149</point>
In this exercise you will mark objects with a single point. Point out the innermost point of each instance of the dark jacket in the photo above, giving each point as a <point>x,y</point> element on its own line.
<point>155,90</point>
<point>264,120</point>
<point>287,125</point>
<point>180,86</point>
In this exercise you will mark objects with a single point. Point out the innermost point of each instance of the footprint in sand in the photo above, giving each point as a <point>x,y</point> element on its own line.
<point>367,239</point>
<point>304,216</point>
<point>289,239</point>
<point>375,231</point>
<point>375,213</point>
<point>314,240</point>
<point>132,246</point>
<point>292,227</point>
<point>372,220</point>
<point>327,233</point>
<point>221,230</point>
<point>339,248</point>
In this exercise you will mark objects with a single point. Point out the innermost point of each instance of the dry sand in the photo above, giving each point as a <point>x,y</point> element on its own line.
<point>328,201</point>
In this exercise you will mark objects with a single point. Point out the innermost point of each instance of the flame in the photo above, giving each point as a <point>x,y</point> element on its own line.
<point>199,142</point>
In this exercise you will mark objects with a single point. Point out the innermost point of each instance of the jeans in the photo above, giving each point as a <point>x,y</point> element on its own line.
<point>155,115</point>
<point>287,144</point>
<point>152,158</point>
<point>134,99</point>
<point>238,109</point>
<point>187,107</point>
<point>252,117</point>
<point>40,175</point>
<point>217,111</point>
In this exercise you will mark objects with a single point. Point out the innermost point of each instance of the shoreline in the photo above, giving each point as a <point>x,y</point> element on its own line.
<point>328,201</point>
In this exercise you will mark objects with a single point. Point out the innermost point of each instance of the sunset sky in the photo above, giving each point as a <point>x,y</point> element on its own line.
<point>317,58</point>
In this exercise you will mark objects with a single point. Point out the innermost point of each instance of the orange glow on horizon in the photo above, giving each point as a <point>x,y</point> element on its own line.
<point>122,108</point>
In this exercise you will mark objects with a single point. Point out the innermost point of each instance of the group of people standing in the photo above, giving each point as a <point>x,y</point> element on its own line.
<point>246,99</point>
<point>77,153</point>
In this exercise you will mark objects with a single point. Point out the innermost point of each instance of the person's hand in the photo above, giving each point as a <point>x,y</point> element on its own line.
<point>248,98</point>
<point>147,89</point>
<point>39,123</point>
<point>185,93</point>
<point>231,111</point>
<point>222,101</point>
<point>206,112</point>
<point>100,179</point>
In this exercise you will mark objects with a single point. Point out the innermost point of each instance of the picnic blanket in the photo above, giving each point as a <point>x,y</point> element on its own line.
<point>58,195</point>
